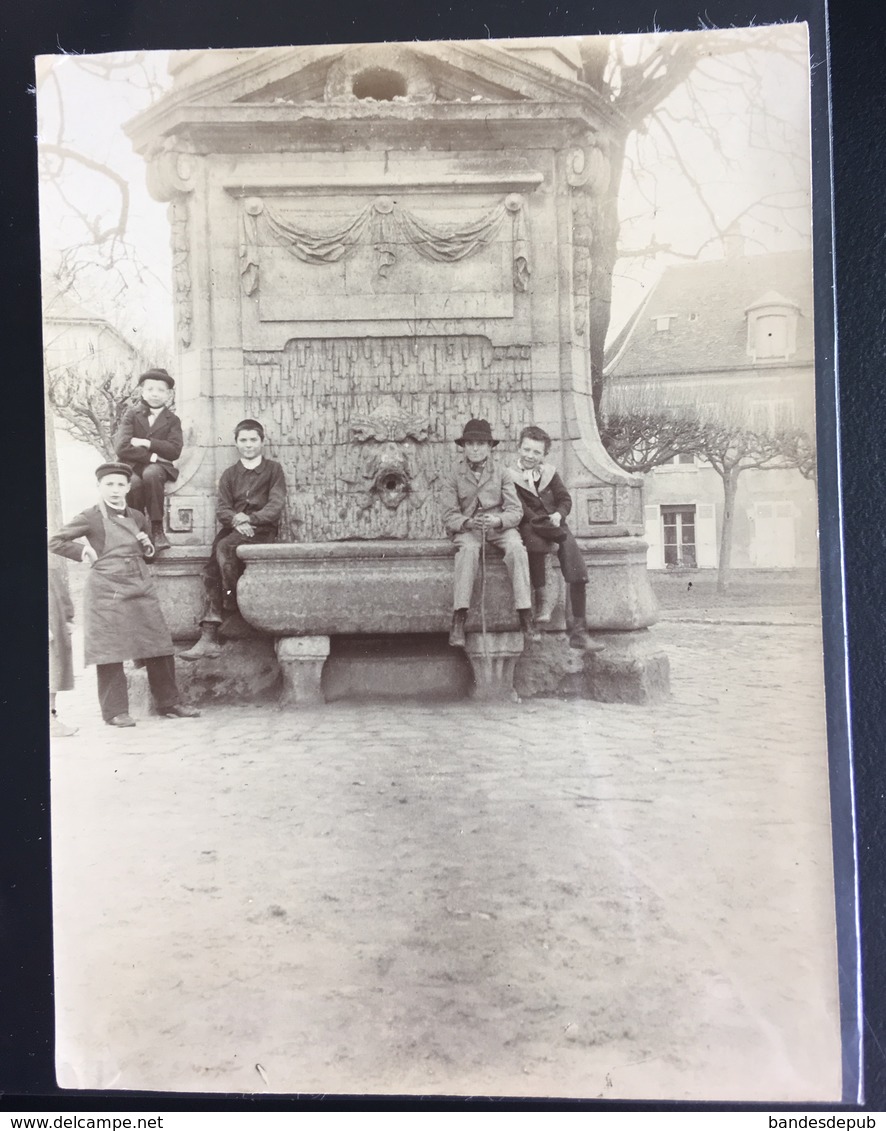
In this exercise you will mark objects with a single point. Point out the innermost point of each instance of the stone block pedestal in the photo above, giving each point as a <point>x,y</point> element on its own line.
<point>493,661</point>
<point>245,671</point>
<point>301,661</point>
<point>633,668</point>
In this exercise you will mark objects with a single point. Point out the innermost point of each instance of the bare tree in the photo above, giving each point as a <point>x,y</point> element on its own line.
<point>87,246</point>
<point>664,90</point>
<point>641,431</point>
<point>90,404</point>
<point>644,428</point>
<point>731,448</point>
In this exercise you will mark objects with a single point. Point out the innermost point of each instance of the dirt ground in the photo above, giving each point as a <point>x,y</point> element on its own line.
<point>550,899</point>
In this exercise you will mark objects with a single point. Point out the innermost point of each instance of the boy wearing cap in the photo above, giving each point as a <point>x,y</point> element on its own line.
<point>149,439</point>
<point>122,618</point>
<point>480,503</point>
<point>251,497</point>
<point>546,504</point>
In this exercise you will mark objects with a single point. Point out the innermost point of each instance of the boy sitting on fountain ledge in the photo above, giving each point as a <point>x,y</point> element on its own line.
<point>546,504</point>
<point>149,440</point>
<point>480,504</point>
<point>251,497</point>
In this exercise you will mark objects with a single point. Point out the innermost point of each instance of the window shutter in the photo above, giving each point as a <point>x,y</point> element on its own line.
<point>654,558</point>
<point>706,535</point>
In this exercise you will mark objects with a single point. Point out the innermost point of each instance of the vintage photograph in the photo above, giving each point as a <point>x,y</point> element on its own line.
<point>437,700</point>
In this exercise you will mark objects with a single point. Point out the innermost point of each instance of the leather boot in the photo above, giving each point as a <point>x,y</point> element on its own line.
<point>161,542</point>
<point>579,639</point>
<point>457,632</point>
<point>545,603</point>
<point>207,647</point>
<point>527,625</point>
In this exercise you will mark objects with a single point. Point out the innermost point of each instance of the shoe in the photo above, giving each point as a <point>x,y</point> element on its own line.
<point>158,537</point>
<point>121,721</point>
<point>58,729</point>
<point>579,639</point>
<point>207,647</point>
<point>527,625</point>
<point>457,632</point>
<point>545,603</point>
<point>180,711</point>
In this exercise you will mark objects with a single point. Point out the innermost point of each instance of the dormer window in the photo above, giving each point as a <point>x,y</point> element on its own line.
<point>662,322</point>
<point>772,328</point>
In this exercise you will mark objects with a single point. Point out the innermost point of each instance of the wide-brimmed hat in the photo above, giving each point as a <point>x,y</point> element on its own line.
<point>544,528</point>
<point>157,375</point>
<point>477,432</point>
<point>113,469</point>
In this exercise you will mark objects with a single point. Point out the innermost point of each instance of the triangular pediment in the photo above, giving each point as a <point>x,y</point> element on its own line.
<point>446,72</point>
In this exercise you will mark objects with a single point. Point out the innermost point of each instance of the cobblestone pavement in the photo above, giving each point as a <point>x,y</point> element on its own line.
<point>550,898</point>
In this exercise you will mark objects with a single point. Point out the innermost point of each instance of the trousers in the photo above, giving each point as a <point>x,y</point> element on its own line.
<point>147,490</point>
<point>113,694</point>
<point>467,565</point>
<point>222,570</point>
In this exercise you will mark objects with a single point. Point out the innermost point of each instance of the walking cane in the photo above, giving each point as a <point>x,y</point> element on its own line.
<point>487,661</point>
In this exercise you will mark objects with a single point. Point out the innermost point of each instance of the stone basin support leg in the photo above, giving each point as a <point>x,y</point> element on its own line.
<point>301,664</point>
<point>493,664</point>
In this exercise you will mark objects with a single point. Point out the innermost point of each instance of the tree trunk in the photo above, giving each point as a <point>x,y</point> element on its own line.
<point>730,489</point>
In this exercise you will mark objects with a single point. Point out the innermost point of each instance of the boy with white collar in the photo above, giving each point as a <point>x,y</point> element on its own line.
<point>546,506</point>
<point>251,497</point>
<point>149,440</point>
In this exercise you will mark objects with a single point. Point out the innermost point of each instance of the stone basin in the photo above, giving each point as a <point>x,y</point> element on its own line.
<point>390,587</point>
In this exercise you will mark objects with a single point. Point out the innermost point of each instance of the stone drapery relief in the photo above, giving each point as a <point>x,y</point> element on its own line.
<point>181,268</point>
<point>588,176</point>
<point>170,177</point>
<point>386,225</point>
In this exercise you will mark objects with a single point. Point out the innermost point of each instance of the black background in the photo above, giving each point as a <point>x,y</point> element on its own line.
<point>858,57</point>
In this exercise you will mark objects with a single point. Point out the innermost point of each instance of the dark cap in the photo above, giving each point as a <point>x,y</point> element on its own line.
<point>113,469</point>
<point>157,375</point>
<point>544,528</point>
<point>477,432</point>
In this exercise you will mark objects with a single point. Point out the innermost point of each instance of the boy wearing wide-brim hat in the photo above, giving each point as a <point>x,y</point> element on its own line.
<point>149,439</point>
<point>479,502</point>
<point>546,504</point>
<point>122,618</point>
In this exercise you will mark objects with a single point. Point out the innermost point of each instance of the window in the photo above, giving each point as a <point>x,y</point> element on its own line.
<point>683,462</point>
<point>773,415</point>
<point>772,336</point>
<point>772,328</point>
<point>678,536</point>
<point>663,322</point>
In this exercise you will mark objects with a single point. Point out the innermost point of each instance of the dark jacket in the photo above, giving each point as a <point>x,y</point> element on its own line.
<point>89,524</point>
<point>462,496</point>
<point>259,493</point>
<point>550,495</point>
<point>165,436</point>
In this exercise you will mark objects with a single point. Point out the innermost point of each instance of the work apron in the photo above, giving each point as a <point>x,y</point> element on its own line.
<point>122,618</point>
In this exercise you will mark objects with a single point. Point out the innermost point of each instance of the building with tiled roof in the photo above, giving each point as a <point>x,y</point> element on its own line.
<point>733,337</point>
<point>75,339</point>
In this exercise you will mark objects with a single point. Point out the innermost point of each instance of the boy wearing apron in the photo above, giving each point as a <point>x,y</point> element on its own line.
<point>122,618</point>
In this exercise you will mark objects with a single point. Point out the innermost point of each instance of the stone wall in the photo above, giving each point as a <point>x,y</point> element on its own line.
<point>352,415</point>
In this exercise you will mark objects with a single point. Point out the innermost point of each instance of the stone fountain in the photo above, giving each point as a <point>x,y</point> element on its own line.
<point>373,244</point>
